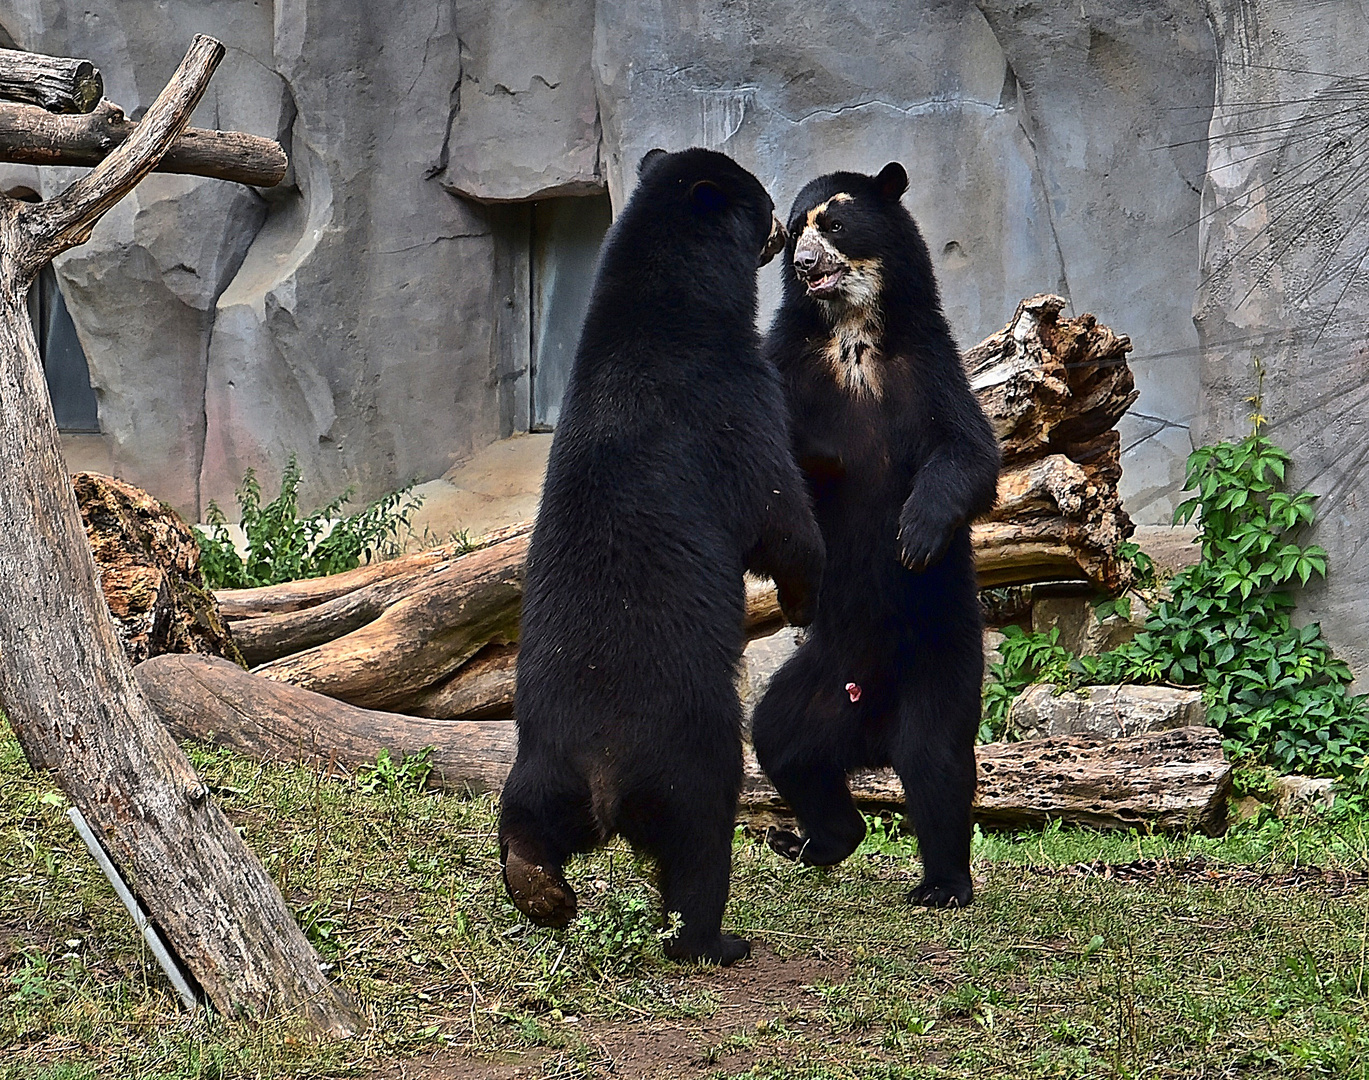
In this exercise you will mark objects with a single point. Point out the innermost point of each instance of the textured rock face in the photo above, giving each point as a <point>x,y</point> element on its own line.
<point>372,314</point>
<point>1286,280</point>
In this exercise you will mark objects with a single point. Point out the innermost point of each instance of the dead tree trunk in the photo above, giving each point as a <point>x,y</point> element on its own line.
<point>65,685</point>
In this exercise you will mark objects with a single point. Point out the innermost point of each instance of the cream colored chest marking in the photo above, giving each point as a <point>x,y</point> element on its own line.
<point>853,353</point>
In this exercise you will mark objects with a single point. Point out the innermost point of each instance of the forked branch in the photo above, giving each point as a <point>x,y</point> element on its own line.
<point>67,220</point>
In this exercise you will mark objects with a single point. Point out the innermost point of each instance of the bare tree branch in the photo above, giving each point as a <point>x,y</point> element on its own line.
<point>67,220</point>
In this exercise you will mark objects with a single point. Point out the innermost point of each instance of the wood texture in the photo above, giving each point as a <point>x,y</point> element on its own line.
<point>451,613</point>
<point>1053,389</point>
<point>56,84</point>
<point>1169,780</point>
<point>310,592</point>
<point>65,685</point>
<point>201,697</point>
<point>149,567</point>
<point>31,136</point>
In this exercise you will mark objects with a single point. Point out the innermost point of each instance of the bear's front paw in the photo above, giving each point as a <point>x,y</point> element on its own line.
<point>921,543</point>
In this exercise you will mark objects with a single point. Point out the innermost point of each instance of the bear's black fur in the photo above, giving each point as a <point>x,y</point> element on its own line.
<point>900,459</point>
<point>670,474</point>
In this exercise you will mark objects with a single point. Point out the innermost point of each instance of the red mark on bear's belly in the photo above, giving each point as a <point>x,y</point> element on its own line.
<point>854,690</point>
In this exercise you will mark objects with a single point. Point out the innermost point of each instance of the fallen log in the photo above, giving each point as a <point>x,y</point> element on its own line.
<point>1167,780</point>
<point>209,699</point>
<point>30,135</point>
<point>455,611</point>
<point>305,593</point>
<point>481,689</point>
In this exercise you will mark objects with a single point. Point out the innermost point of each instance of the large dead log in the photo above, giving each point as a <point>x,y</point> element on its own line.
<point>59,84</point>
<point>65,684</point>
<point>32,136</point>
<point>1175,779</point>
<point>452,613</point>
<point>305,593</point>
<point>200,697</point>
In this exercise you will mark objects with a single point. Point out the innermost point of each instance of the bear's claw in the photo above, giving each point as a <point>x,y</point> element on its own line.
<point>941,894</point>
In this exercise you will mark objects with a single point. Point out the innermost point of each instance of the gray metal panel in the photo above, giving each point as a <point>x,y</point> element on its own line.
<point>64,361</point>
<point>566,234</point>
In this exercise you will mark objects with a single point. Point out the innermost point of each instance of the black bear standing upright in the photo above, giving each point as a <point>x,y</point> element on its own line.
<point>670,474</point>
<point>900,458</point>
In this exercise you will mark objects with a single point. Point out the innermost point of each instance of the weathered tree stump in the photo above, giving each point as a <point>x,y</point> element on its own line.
<point>65,684</point>
<point>149,565</point>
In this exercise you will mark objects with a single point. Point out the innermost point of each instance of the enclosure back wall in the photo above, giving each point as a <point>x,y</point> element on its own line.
<point>403,299</point>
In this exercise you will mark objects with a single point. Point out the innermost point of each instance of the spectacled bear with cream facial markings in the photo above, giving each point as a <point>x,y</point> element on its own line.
<point>670,474</point>
<point>900,459</point>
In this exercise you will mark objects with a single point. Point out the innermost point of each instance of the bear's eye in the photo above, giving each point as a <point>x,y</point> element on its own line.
<point>834,226</point>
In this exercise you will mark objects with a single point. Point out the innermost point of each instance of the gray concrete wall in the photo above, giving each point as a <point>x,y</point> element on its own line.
<point>372,314</point>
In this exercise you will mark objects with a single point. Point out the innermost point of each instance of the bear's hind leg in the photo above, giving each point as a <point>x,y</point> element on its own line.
<point>689,835</point>
<point>934,757</point>
<point>541,823</point>
<point>802,741</point>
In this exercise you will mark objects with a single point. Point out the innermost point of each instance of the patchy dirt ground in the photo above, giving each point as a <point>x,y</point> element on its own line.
<point>765,991</point>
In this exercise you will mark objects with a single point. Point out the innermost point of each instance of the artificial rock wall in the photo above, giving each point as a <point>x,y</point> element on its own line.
<point>371,314</point>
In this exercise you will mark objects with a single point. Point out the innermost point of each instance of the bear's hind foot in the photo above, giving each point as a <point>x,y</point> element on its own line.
<point>943,894</point>
<point>810,851</point>
<point>538,891</point>
<point>725,949</point>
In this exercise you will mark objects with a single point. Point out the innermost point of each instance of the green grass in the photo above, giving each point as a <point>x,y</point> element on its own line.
<point>1048,975</point>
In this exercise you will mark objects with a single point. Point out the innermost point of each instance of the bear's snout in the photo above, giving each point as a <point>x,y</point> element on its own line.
<point>774,244</point>
<point>818,266</point>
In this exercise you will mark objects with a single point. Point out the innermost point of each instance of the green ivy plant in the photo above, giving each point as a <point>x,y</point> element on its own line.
<point>283,546</point>
<point>1274,689</point>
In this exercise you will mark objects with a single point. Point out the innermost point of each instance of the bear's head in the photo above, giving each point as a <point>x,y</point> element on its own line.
<point>707,198</point>
<point>845,231</point>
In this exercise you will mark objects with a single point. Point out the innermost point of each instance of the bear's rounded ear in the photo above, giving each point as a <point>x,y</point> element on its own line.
<point>648,158</point>
<point>707,196</point>
<point>892,180</point>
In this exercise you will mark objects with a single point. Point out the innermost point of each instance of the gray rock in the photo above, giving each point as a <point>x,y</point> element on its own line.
<point>524,118</point>
<point>1300,794</point>
<point>1081,631</point>
<point>1108,712</point>
<point>763,657</point>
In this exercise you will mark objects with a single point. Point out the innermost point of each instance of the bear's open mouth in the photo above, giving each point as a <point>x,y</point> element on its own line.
<point>824,285</point>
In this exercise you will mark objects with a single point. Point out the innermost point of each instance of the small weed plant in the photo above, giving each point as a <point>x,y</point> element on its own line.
<point>1274,689</point>
<point>283,546</point>
<point>391,777</point>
